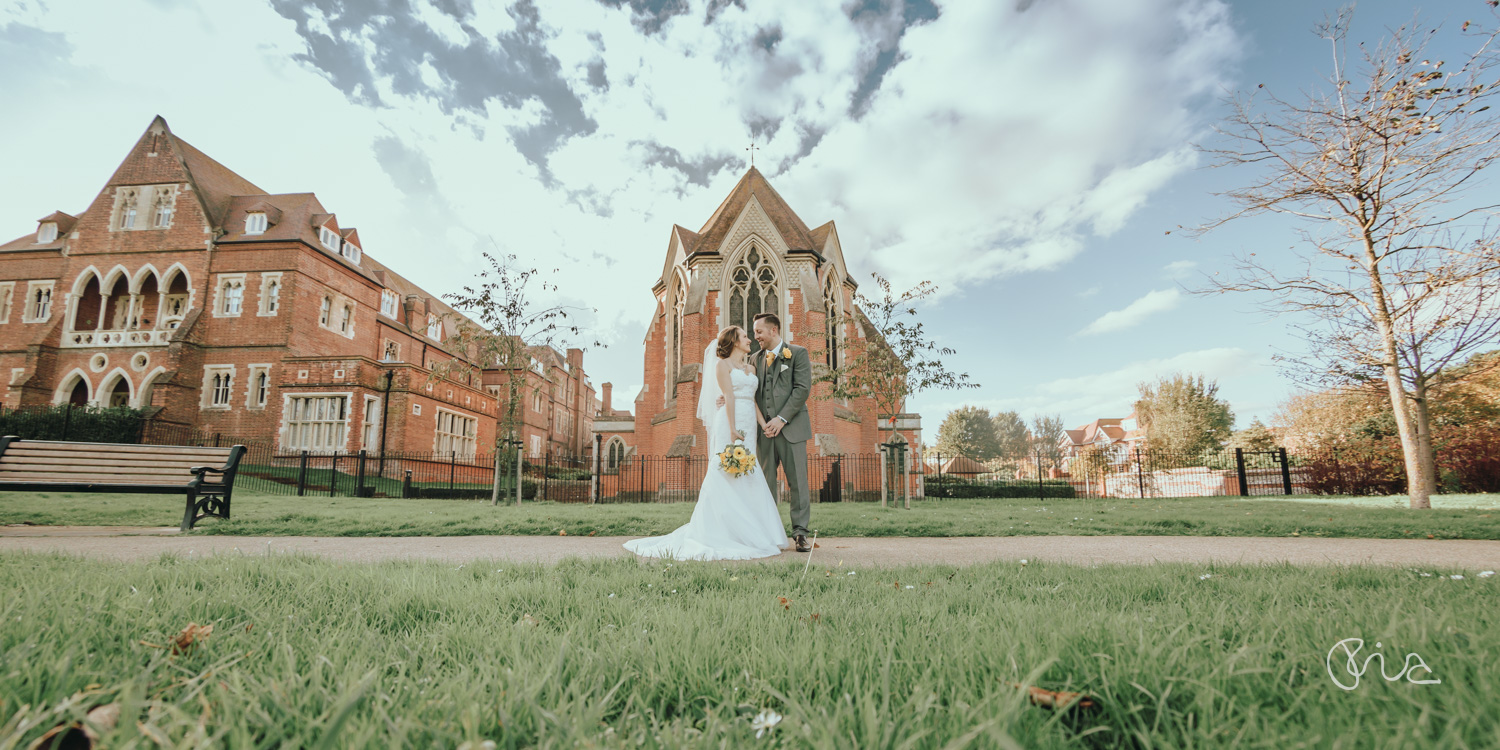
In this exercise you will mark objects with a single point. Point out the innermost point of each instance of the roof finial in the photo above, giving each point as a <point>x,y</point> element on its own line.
<point>752,149</point>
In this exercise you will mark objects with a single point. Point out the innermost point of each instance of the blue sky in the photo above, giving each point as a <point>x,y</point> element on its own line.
<point>1030,157</point>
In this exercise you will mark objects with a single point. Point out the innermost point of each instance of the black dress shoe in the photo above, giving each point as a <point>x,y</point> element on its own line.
<point>802,545</point>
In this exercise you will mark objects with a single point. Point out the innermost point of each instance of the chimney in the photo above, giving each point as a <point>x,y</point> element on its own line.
<point>604,395</point>
<point>575,358</point>
<point>409,309</point>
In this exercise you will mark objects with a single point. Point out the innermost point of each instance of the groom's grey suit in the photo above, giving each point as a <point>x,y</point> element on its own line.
<point>785,383</point>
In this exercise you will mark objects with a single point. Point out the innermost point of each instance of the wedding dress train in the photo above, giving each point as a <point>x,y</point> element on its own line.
<point>736,517</point>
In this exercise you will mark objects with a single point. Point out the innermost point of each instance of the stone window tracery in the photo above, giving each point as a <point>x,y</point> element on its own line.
<point>753,289</point>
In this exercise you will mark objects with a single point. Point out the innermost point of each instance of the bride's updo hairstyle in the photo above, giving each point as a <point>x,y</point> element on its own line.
<point>728,339</point>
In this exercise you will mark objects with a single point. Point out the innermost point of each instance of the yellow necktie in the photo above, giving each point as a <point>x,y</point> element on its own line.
<point>770,357</point>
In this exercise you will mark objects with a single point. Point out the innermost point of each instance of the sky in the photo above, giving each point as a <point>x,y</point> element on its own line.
<point>1035,159</point>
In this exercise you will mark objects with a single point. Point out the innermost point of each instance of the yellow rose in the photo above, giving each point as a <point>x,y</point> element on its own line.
<point>786,353</point>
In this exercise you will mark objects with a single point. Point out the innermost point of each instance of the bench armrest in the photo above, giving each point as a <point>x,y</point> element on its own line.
<point>234,459</point>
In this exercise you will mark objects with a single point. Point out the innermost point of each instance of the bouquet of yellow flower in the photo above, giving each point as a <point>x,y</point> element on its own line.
<point>736,461</point>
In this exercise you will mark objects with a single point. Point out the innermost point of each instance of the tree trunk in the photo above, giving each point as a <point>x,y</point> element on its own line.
<point>1423,419</point>
<point>1417,482</point>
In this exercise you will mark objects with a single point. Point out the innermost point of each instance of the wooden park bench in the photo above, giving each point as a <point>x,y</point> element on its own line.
<point>206,475</point>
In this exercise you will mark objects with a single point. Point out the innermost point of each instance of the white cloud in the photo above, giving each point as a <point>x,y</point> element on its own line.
<point>1112,393</point>
<point>1161,300</point>
<point>1179,268</point>
<point>999,144</point>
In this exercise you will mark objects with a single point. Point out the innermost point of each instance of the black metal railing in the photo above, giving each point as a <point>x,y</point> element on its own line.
<point>1118,472</point>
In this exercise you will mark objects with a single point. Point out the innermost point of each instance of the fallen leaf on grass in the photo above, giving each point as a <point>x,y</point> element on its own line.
<point>785,602</point>
<point>1054,699</point>
<point>591,533</point>
<point>562,532</point>
<point>527,619</point>
<point>190,636</point>
<point>82,735</point>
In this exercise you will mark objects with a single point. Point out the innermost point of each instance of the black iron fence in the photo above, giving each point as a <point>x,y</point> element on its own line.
<point>665,479</point>
<point>1374,469</point>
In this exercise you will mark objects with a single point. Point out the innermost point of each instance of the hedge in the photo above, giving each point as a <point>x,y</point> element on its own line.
<point>83,424</point>
<point>1048,488</point>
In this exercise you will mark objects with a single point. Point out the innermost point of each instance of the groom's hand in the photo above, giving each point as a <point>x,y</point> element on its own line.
<point>773,428</point>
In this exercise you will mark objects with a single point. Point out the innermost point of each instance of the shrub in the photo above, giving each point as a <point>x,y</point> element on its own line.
<point>84,424</point>
<point>1048,488</point>
<point>1468,458</point>
<point>1364,468</point>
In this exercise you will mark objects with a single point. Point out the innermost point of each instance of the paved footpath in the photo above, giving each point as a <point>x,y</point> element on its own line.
<point>119,543</point>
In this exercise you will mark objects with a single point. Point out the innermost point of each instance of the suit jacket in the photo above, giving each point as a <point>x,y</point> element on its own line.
<point>784,388</point>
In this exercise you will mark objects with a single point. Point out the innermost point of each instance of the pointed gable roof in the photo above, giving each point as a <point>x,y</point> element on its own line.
<point>688,238</point>
<point>820,235</point>
<point>214,183</point>
<point>791,227</point>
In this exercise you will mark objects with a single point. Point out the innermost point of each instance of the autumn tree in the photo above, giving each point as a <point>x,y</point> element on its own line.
<point>1012,439</point>
<point>968,431</point>
<point>1256,437</point>
<point>1380,172</point>
<point>1183,414</point>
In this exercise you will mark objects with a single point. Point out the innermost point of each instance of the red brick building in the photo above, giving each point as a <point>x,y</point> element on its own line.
<point>185,289</point>
<point>557,402</point>
<point>753,255</point>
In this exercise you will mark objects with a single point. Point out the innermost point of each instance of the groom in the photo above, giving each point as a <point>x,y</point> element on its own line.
<point>785,382</point>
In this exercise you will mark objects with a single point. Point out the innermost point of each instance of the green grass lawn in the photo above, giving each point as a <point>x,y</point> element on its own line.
<point>619,653</point>
<point>1455,516</point>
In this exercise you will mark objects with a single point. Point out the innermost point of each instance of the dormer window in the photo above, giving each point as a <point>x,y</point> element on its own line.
<point>390,302</point>
<point>46,233</point>
<point>255,223</point>
<point>351,251</point>
<point>329,238</point>
<point>434,327</point>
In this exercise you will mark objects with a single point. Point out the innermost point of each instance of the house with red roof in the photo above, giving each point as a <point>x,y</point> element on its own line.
<point>1119,437</point>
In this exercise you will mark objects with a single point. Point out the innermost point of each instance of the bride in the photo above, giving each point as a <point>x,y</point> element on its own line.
<point>736,517</point>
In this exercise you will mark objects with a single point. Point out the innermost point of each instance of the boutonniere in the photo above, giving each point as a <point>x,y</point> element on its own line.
<point>786,353</point>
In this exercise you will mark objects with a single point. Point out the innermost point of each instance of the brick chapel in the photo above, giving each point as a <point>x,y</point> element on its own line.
<point>185,290</point>
<point>753,255</point>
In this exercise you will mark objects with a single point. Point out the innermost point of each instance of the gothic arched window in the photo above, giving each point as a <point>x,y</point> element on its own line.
<point>163,208</point>
<point>752,289</point>
<point>833,309</point>
<point>616,455</point>
<point>679,304</point>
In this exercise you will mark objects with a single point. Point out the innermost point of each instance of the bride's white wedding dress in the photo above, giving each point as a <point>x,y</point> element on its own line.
<point>736,517</point>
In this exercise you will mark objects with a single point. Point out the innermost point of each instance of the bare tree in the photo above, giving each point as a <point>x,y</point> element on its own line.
<point>1046,434</point>
<point>1396,265</point>
<point>894,359</point>
<point>505,322</point>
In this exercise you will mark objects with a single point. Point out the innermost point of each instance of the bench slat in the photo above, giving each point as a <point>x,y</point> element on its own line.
<point>50,445</point>
<point>175,480</point>
<point>83,469</point>
<point>110,463</point>
<point>21,450</point>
